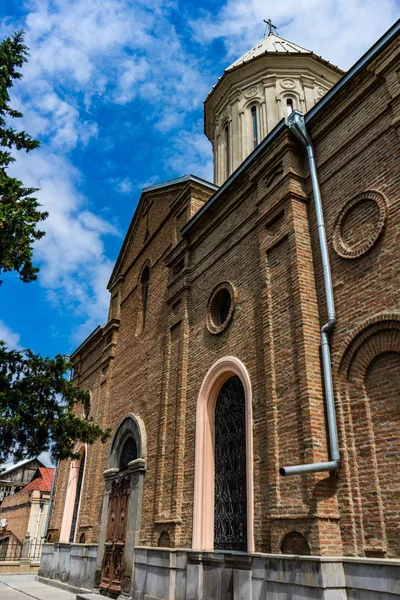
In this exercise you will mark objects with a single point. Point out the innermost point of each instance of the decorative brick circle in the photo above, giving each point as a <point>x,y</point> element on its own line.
<point>220,307</point>
<point>360,224</point>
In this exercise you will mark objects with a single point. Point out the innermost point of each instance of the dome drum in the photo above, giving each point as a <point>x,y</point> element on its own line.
<point>256,92</point>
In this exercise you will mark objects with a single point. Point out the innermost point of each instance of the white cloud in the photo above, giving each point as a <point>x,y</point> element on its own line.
<point>85,53</point>
<point>73,264</point>
<point>190,153</point>
<point>339,30</point>
<point>150,181</point>
<point>11,338</point>
<point>123,185</point>
<point>115,51</point>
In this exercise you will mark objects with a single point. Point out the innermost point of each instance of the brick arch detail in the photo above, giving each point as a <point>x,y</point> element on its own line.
<point>203,509</point>
<point>349,346</point>
<point>364,506</point>
<point>299,537</point>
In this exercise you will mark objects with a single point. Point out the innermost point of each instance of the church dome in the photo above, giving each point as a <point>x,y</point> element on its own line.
<point>256,91</point>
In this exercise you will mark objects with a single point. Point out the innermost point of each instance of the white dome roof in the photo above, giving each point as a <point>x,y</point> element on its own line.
<point>272,43</point>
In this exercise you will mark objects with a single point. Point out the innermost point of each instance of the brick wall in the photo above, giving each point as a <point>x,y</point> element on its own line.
<point>16,509</point>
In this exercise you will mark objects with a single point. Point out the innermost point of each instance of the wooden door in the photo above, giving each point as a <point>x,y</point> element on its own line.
<point>113,565</point>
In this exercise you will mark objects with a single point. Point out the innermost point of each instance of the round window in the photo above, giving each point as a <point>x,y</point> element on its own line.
<point>220,307</point>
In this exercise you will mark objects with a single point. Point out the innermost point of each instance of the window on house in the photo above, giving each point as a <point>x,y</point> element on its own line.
<point>145,280</point>
<point>228,150</point>
<point>289,106</point>
<point>255,126</point>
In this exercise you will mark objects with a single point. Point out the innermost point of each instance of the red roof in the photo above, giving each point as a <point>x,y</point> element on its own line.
<point>42,480</point>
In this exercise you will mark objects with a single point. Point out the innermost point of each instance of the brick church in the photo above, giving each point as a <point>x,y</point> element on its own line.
<point>250,366</point>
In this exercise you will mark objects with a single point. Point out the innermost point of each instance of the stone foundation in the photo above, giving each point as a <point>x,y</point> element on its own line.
<point>169,574</point>
<point>71,564</point>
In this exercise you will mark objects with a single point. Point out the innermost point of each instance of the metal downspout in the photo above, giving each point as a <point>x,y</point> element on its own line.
<point>46,527</point>
<point>296,124</point>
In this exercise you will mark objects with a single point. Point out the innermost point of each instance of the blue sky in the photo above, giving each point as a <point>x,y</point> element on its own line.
<point>114,91</point>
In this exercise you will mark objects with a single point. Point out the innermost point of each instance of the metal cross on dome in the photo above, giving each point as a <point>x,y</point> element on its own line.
<point>270,25</point>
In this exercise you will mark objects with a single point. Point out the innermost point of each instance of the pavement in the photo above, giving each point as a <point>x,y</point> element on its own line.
<point>24,587</point>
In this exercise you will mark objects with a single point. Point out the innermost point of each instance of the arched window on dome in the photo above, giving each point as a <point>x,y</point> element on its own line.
<point>227,150</point>
<point>254,122</point>
<point>289,106</point>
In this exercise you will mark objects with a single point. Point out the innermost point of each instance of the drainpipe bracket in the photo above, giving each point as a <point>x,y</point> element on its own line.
<point>296,123</point>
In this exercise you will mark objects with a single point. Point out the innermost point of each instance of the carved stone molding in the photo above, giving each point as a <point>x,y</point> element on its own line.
<point>360,224</point>
<point>126,585</point>
<point>251,92</point>
<point>288,84</point>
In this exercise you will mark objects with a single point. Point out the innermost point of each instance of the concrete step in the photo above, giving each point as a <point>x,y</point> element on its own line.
<point>90,596</point>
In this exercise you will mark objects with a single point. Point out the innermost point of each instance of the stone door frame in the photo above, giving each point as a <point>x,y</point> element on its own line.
<point>130,425</point>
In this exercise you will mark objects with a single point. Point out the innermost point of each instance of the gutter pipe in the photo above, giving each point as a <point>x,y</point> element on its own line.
<point>296,124</point>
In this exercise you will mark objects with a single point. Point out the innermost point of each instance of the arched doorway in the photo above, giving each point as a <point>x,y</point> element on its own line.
<point>223,512</point>
<point>122,503</point>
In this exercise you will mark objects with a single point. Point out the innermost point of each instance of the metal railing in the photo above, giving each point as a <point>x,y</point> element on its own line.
<point>12,550</point>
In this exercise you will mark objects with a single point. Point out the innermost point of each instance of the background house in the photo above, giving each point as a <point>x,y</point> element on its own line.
<point>23,517</point>
<point>15,476</point>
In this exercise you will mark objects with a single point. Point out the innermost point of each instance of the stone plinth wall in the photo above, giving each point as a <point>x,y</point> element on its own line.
<point>185,575</point>
<point>72,564</point>
<point>175,574</point>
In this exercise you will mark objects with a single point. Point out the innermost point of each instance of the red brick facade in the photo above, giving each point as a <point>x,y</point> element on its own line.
<point>260,234</point>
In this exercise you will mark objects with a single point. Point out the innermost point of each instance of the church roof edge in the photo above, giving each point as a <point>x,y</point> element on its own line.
<point>266,141</point>
<point>157,186</point>
<point>86,340</point>
<point>182,179</point>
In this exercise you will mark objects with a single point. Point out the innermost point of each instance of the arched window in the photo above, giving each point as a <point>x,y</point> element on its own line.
<point>77,498</point>
<point>289,106</point>
<point>227,150</point>
<point>230,498</point>
<point>128,453</point>
<point>254,121</point>
<point>145,281</point>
